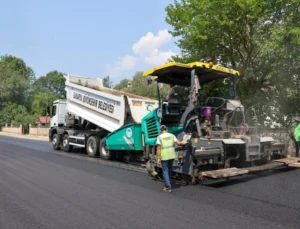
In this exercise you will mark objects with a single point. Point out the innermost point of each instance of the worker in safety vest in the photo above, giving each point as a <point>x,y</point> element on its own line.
<point>297,136</point>
<point>166,154</point>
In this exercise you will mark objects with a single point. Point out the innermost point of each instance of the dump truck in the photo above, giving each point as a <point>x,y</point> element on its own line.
<point>113,123</point>
<point>91,112</point>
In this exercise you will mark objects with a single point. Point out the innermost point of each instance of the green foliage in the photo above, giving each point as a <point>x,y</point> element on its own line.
<point>17,65</point>
<point>41,101</point>
<point>107,82</point>
<point>259,38</point>
<point>15,78</point>
<point>141,88</point>
<point>122,84</point>
<point>21,95</point>
<point>15,114</point>
<point>53,83</point>
<point>24,119</point>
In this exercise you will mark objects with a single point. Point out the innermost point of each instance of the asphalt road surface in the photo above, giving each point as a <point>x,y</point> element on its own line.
<point>43,189</point>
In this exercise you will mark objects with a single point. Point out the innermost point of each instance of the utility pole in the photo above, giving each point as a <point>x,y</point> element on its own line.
<point>47,92</point>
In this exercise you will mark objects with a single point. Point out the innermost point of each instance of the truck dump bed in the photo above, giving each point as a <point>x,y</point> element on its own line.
<point>105,107</point>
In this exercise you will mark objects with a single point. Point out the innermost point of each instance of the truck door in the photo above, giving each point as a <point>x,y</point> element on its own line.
<point>54,120</point>
<point>62,112</point>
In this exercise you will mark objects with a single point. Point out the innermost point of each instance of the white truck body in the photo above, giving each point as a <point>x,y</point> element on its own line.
<point>105,107</point>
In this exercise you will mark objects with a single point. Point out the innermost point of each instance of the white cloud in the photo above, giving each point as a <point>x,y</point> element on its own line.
<point>150,42</point>
<point>147,49</point>
<point>158,57</point>
<point>124,64</point>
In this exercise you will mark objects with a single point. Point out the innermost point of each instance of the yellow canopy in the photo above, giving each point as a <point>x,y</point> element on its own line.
<point>180,74</point>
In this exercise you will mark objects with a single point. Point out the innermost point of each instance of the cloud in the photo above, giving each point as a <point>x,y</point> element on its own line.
<point>148,49</point>
<point>121,66</point>
<point>158,57</point>
<point>150,42</point>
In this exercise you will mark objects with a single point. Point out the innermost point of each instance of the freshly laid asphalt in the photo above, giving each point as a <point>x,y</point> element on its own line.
<point>40,188</point>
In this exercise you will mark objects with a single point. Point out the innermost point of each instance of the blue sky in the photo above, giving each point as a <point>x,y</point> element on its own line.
<point>90,38</point>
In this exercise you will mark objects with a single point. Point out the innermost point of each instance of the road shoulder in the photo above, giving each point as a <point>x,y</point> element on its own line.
<point>31,137</point>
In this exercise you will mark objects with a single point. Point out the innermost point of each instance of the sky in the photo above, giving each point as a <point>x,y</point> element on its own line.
<point>92,38</point>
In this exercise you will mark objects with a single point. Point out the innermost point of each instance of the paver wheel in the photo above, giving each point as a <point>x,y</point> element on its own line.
<point>104,152</point>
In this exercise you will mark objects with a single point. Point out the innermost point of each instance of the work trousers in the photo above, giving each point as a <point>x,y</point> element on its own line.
<point>167,171</point>
<point>297,146</point>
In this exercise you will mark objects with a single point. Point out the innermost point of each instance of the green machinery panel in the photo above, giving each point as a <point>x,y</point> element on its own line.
<point>151,128</point>
<point>128,137</point>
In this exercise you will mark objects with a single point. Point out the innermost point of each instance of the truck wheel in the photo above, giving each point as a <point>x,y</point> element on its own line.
<point>104,152</point>
<point>92,146</point>
<point>55,142</point>
<point>66,147</point>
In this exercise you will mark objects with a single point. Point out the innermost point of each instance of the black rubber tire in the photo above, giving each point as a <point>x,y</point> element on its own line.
<point>92,146</point>
<point>56,142</point>
<point>65,144</point>
<point>103,151</point>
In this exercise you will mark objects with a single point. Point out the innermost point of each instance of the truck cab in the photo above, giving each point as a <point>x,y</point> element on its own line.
<point>58,113</point>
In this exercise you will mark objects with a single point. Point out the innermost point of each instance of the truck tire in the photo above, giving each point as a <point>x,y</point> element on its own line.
<point>104,152</point>
<point>92,146</point>
<point>55,142</point>
<point>65,144</point>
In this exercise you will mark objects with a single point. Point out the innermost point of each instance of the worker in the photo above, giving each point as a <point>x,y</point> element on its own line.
<point>297,136</point>
<point>171,90</point>
<point>166,154</point>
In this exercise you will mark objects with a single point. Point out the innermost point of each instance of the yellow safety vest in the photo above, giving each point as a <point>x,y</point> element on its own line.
<point>167,146</point>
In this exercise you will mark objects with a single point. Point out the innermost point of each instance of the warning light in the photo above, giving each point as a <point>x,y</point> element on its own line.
<point>211,64</point>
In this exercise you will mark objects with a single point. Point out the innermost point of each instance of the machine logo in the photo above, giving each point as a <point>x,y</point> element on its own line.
<point>159,114</point>
<point>128,133</point>
<point>150,107</point>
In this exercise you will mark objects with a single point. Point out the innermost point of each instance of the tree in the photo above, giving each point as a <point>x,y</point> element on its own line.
<point>40,102</point>
<point>107,82</point>
<point>257,37</point>
<point>52,83</point>
<point>141,88</point>
<point>18,65</point>
<point>45,90</point>
<point>122,84</point>
<point>15,78</point>
<point>15,114</point>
